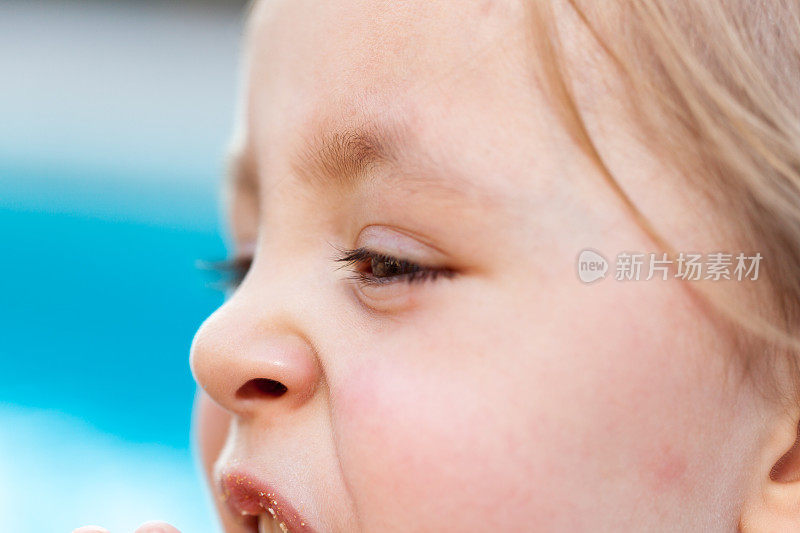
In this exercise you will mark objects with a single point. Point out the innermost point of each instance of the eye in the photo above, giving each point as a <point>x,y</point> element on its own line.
<point>231,271</point>
<point>380,269</point>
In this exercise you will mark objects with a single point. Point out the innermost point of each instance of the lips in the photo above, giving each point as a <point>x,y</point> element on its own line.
<point>247,496</point>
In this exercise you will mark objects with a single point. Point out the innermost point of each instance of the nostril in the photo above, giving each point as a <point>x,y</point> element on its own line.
<point>260,387</point>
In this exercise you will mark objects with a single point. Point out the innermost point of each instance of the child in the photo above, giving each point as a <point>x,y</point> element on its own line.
<point>412,349</point>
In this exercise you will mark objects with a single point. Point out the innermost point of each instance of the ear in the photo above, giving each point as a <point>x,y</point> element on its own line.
<point>773,501</point>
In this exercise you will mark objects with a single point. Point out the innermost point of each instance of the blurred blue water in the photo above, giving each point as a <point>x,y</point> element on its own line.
<point>59,472</point>
<point>114,118</point>
<point>100,304</point>
<point>101,298</point>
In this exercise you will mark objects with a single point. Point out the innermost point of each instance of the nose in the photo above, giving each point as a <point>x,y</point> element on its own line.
<point>249,366</point>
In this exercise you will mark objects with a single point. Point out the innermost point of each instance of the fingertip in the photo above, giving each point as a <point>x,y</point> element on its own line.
<point>156,526</point>
<point>90,529</point>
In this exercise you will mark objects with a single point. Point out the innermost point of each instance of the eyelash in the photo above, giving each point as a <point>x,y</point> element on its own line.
<point>409,272</point>
<point>232,271</point>
<point>235,269</point>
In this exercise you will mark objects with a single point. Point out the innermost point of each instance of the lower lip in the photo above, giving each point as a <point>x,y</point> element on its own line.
<point>247,496</point>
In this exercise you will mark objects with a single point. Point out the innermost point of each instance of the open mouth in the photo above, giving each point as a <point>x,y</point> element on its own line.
<point>261,507</point>
<point>268,523</point>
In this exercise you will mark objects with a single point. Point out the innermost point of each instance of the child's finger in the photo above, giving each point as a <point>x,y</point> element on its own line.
<point>156,527</point>
<point>90,529</point>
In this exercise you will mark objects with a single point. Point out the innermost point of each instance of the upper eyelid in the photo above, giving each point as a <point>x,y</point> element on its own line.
<point>362,254</point>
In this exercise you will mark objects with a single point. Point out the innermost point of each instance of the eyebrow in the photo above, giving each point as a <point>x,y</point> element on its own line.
<point>345,158</point>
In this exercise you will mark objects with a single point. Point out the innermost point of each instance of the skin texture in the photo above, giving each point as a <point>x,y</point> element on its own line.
<point>508,396</point>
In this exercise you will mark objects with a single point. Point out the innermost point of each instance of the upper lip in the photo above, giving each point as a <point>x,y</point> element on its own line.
<point>247,495</point>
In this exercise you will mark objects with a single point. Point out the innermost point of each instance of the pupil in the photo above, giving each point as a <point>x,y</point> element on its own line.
<point>383,267</point>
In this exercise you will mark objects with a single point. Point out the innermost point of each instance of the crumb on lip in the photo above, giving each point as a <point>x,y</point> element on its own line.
<point>248,498</point>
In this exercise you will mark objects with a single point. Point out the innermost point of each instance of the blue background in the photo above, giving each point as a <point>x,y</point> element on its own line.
<point>114,120</point>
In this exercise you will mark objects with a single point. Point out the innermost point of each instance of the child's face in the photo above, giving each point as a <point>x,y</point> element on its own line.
<point>502,394</point>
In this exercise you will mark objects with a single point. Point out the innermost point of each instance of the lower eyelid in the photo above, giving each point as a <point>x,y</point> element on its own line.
<point>383,298</point>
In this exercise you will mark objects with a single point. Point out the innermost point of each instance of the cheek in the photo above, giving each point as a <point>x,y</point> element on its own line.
<point>639,383</point>
<point>425,451</point>
<point>563,417</point>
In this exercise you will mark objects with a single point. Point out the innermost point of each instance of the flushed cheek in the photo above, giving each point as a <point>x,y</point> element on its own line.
<point>643,396</point>
<point>609,421</point>
<point>427,452</point>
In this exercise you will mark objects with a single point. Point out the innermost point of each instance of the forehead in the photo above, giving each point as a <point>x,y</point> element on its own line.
<point>377,46</point>
<point>319,67</point>
<point>456,75</point>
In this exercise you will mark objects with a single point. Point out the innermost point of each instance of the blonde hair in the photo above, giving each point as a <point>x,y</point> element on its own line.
<point>716,84</point>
